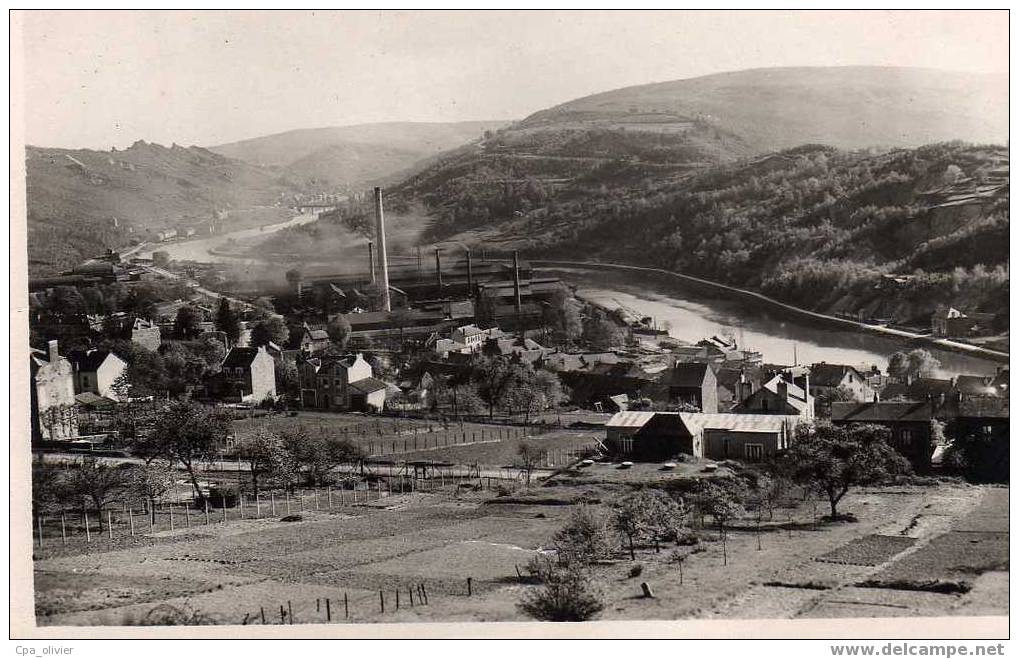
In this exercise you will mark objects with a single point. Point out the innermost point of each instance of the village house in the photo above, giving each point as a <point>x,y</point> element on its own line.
<point>247,375</point>
<point>909,423</point>
<point>826,378</point>
<point>952,322</point>
<point>695,384</point>
<point>52,395</point>
<point>146,333</point>
<point>736,385</point>
<point>97,371</point>
<point>340,383</point>
<point>779,396</point>
<point>654,436</point>
<point>311,340</point>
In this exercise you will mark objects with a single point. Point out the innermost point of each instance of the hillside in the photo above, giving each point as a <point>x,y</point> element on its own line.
<point>81,201</point>
<point>350,157</point>
<point>780,108</point>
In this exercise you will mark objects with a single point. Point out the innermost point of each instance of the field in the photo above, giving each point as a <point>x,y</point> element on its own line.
<point>453,554</point>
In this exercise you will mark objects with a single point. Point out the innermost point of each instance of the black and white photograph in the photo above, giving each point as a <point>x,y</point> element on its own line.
<point>332,321</point>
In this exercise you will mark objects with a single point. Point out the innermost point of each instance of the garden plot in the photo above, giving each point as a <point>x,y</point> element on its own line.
<point>869,550</point>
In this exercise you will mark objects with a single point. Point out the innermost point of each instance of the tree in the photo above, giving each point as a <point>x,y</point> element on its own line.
<point>601,332</point>
<point>151,481</point>
<point>97,481</point>
<point>227,321</point>
<point>319,454</point>
<point>269,457</point>
<point>832,459</point>
<point>826,397</point>
<point>47,485</point>
<point>917,363</point>
<point>338,329</point>
<point>648,515</point>
<point>723,499</point>
<point>272,329</point>
<point>529,456</point>
<point>567,593</point>
<point>533,391</point>
<point>584,537</point>
<point>188,433</point>
<point>186,324</point>
<point>495,376</point>
<point>561,315</point>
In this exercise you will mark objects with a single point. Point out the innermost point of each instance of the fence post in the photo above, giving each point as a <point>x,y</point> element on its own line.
<point>40,531</point>
<point>222,502</point>
<point>286,495</point>
<point>261,610</point>
<point>290,612</point>
<point>258,507</point>
<point>469,589</point>
<point>171,516</point>
<point>63,529</point>
<point>329,611</point>
<point>241,497</point>
<point>206,512</point>
<point>329,496</point>
<point>346,608</point>
<point>109,523</point>
<point>272,503</point>
<point>382,602</point>
<point>151,514</point>
<point>130,519</point>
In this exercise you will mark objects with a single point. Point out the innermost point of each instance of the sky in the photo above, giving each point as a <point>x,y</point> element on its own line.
<point>107,79</point>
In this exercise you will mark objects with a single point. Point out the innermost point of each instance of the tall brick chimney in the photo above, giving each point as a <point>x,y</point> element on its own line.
<point>470,273</point>
<point>54,353</point>
<point>380,237</point>
<point>516,279</point>
<point>371,260</point>
<point>438,269</point>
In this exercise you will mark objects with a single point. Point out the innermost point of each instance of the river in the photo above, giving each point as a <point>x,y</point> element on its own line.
<point>202,250</point>
<point>692,313</point>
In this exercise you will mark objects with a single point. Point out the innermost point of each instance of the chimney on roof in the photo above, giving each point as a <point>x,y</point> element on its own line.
<point>516,279</point>
<point>438,269</point>
<point>380,236</point>
<point>783,389</point>
<point>54,353</point>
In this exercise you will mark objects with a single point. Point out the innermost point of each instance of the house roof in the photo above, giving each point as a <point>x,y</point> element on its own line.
<point>696,421</point>
<point>830,375</point>
<point>470,330</point>
<point>90,360</point>
<point>240,357</point>
<point>318,334</point>
<point>689,374</point>
<point>795,394</point>
<point>920,389</point>
<point>629,419</point>
<point>881,411</point>
<point>89,399</point>
<point>369,385</point>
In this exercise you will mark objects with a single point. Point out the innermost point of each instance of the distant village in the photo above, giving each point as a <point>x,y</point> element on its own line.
<point>419,339</point>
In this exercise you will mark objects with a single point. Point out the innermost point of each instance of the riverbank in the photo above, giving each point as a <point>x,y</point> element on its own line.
<point>910,338</point>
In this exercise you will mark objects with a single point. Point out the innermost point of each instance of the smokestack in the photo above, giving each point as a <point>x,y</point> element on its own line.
<point>380,236</point>
<point>54,353</point>
<point>516,279</point>
<point>371,260</point>
<point>470,273</point>
<point>438,269</point>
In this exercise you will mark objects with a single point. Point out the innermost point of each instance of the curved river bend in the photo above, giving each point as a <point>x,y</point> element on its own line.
<point>693,313</point>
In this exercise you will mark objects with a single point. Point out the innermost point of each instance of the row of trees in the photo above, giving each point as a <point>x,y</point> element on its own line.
<point>495,384</point>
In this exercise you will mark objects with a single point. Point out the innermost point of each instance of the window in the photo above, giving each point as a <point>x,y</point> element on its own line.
<point>906,435</point>
<point>754,452</point>
<point>84,380</point>
<point>764,405</point>
<point>626,445</point>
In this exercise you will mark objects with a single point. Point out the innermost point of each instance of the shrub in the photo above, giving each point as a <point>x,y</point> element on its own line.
<point>585,537</point>
<point>636,570</point>
<point>566,594</point>
<point>166,615</point>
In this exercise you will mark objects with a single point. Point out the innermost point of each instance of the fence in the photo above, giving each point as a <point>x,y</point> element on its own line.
<point>120,522</point>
